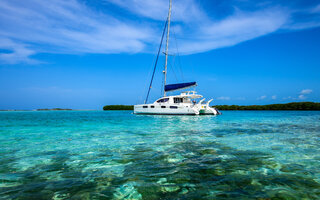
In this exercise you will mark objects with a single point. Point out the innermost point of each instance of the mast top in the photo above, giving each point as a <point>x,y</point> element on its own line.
<point>167,47</point>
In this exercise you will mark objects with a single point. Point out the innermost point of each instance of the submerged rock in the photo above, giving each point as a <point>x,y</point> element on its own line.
<point>208,151</point>
<point>255,182</point>
<point>226,157</point>
<point>292,168</point>
<point>127,191</point>
<point>189,185</point>
<point>265,171</point>
<point>219,171</point>
<point>162,180</point>
<point>176,158</point>
<point>184,191</point>
<point>170,187</point>
<point>241,172</point>
<point>60,196</point>
<point>276,147</point>
<point>273,165</point>
<point>167,187</point>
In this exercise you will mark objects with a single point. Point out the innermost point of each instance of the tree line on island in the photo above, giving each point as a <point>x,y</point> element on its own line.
<point>287,106</point>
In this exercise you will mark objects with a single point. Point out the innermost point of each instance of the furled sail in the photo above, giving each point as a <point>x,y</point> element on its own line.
<point>179,86</point>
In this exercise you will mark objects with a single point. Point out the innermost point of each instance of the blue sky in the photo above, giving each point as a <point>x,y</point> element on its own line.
<point>85,54</point>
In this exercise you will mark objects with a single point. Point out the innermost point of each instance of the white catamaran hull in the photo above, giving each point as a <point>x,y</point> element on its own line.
<point>152,109</point>
<point>177,105</point>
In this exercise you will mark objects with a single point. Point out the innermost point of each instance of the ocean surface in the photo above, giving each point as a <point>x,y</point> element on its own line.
<point>118,155</point>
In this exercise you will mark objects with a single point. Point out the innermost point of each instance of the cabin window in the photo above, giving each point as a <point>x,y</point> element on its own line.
<point>152,106</point>
<point>163,100</point>
<point>178,100</point>
<point>163,107</point>
<point>174,107</point>
<point>145,106</point>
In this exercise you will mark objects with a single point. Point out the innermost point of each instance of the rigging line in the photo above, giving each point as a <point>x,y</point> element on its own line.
<point>172,68</point>
<point>162,83</point>
<point>155,66</point>
<point>149,74</point>
<point>179,59</point>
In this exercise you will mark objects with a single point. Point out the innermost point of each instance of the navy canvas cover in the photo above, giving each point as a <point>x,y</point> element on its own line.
<point>179,86</point>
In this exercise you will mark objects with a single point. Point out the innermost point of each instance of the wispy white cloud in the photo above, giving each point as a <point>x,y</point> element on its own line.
<point>241,26</point>
<point>311,18</point>
<point>303,94</point>
<point>199,33</point>
<point>306,91</point>
<point>17,52</point>
<point>224,98</point>
<point>302,25</point>
<point>73,27</point>
<point>64,27</point>
<point>262,97</point>
<point>274,97</point>
<point>185,11</point>
<point>316,9</point>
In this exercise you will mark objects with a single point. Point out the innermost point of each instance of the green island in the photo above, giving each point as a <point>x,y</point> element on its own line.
<point>52,109</point>
<point>118,107</point>
<point>287,106</point>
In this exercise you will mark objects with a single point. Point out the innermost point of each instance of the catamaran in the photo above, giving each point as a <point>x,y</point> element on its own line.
<point>184,104</point>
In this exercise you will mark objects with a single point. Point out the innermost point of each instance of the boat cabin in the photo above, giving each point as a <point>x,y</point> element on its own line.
<point>183,98</point>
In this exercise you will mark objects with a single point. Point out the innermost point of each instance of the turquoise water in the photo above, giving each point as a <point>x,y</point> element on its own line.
<point>117,155</point>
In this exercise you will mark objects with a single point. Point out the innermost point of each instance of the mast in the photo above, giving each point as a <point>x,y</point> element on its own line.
<point>167,47</point>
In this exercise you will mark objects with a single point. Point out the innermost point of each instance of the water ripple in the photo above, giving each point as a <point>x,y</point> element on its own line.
<point>117,155</point>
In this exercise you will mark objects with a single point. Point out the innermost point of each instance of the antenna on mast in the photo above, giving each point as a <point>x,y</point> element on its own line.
<point>167,47</point>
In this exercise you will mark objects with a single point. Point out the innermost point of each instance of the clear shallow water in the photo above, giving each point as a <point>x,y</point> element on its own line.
<point>117,155</point>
